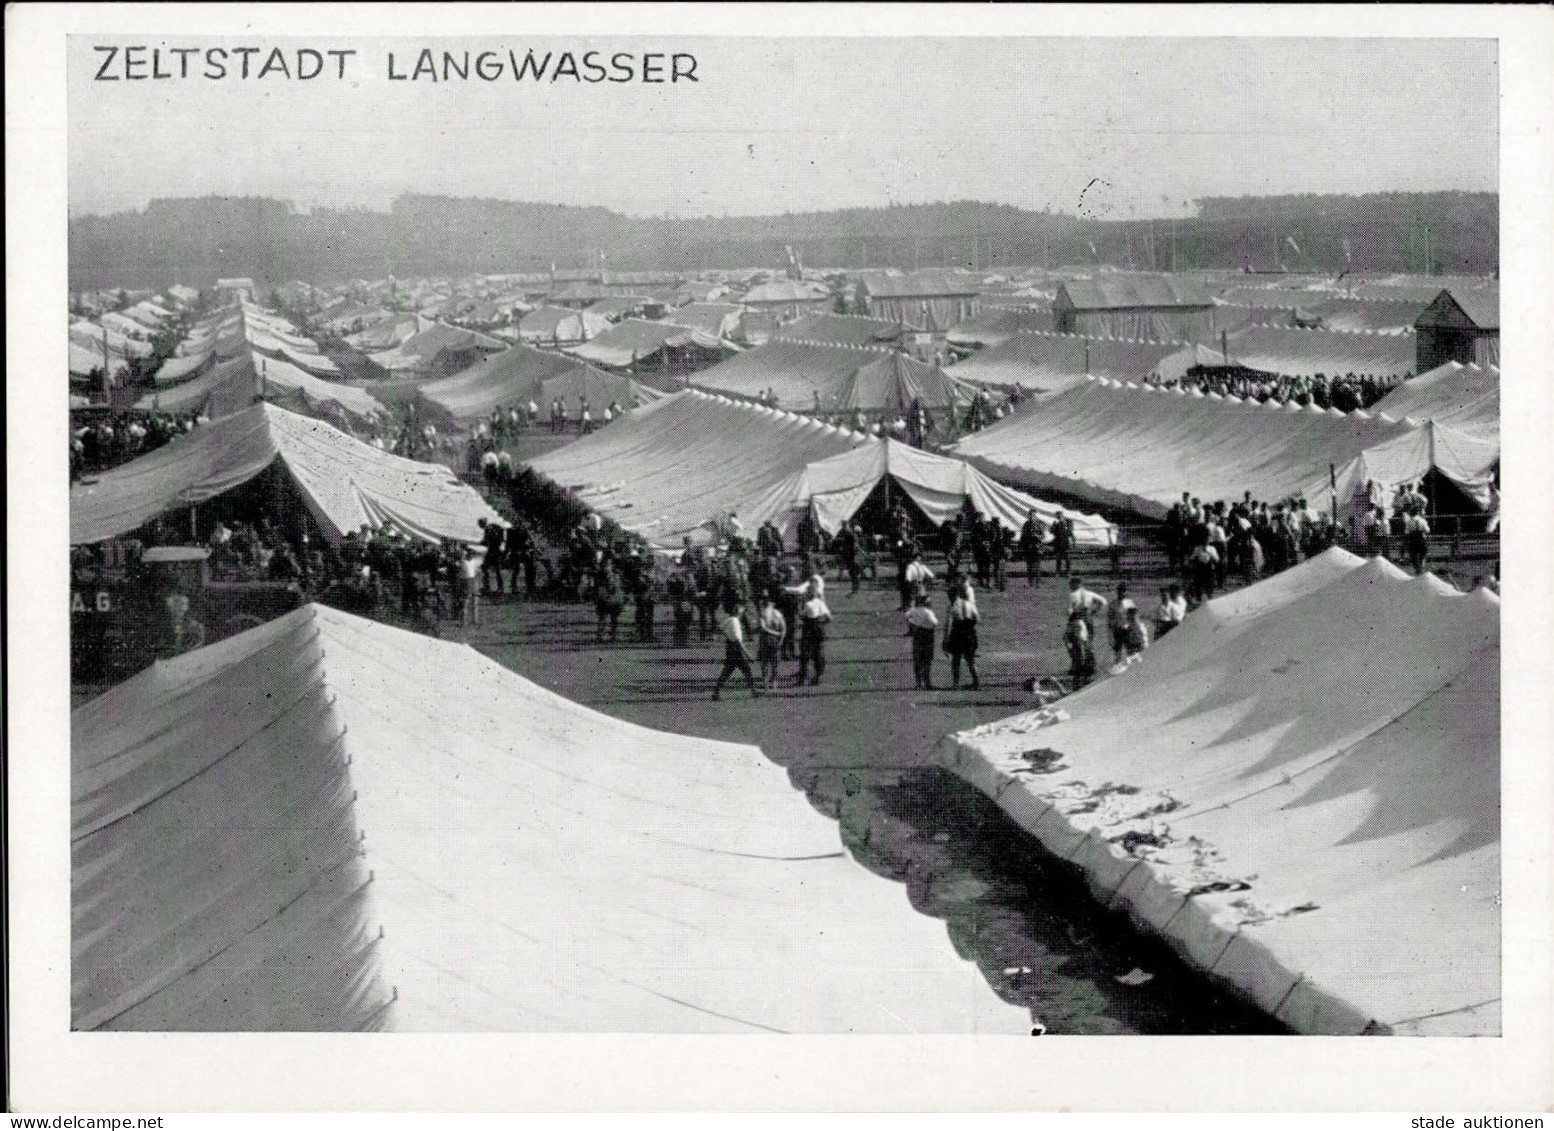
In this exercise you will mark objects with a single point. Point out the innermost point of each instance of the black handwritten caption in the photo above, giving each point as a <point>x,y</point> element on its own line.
<point>139,61</point>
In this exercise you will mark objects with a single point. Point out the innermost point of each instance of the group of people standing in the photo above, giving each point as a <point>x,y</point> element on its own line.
<point>1207,543</point>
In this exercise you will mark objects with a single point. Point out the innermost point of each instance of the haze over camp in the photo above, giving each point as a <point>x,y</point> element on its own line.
<point>683,535</point>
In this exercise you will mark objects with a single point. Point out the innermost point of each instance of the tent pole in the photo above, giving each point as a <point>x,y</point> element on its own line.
<point>194,535</point>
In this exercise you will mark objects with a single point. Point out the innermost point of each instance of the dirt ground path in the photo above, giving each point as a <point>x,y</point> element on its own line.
<point>860,745</point>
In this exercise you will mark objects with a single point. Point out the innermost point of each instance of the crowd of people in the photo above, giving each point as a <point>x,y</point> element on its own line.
<point>1345,393</point>
<point>96,446</point>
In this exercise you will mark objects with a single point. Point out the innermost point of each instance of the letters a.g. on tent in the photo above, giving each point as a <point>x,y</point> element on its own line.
<point>345,482</point>
<point>1311,801</point>
<point>835,488</point>
<point>297,829</point>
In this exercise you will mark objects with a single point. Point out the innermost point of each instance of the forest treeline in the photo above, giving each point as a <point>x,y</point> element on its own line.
<point>196,240</point>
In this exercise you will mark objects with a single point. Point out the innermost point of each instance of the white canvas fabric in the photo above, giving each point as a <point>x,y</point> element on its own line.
<point>225,388</point>
<point>345,482</point>
<point>673,467</point>
<point>1047,364</point>
<point>523,373</point>
<point>835,488</point>
<point>1465,397</point>
<point>1140,448</point>
<point>300,391</point>
<point>806,376</point>
<point>297,829</point>
<point>1298,788</point>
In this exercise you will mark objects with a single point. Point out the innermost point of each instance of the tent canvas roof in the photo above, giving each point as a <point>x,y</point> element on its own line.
<point>717,319</point>
<point>1296,352</point>
<point>523,373</point>
<point>225,388</point>
<point>421,351</point>
<point>1463,396</point>
<point>345,482</point>
<point>301,392</point>
<point>840,329</point>
<point>1360,842</point>
<point>251,850</point>
<point>781,291</point>
<point>636,338</point>
<point>1139,448</point>
<point>1050,363</point>
<point>998,324</point>
<point>939,485</point>
<point>922,284</point>
<point>669,469</point>
<point>799,372</point>
<point>891,384</point>
<point>1128,292</point>
<point>500,378</point>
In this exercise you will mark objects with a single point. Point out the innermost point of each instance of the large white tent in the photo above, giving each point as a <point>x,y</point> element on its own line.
<point>1299,789</point>
<point>834,489</point>
<point>1046,364</point>
<point>1461,396</point>
<point>295,829</point>
<point>345,483</point>
<point>1140,448</point>
<point>670,469</point>
<point>523,373</point>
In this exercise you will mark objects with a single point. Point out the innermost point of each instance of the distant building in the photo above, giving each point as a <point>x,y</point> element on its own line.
<point>782,299</point>
<point>1461,326</point>
<point>931,301</point>
<point>240,288</point>
<point>1142,308</point>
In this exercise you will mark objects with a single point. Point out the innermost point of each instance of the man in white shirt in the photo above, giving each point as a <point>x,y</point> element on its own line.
<point>1172,611</point>
<point>735,658</point>
<point>813,618</point>
<point>922,627</point>
<point>1091,605</point>
<point>918,575</point>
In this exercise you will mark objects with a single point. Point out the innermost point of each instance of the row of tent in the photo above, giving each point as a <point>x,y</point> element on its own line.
<point>827,378</point>
<point>344,483</point>
<point>673,469</point>
<point>1045,362</point>
<point>1140,447</point>
<point>522,374</point>
<point>251,850</point>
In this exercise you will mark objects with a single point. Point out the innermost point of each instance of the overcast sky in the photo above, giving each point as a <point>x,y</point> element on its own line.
<point>799,125</point>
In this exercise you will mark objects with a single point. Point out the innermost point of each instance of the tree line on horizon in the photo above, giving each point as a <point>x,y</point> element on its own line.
<point>197,240</point>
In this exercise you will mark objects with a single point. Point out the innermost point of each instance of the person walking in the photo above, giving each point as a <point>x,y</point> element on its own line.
<point>1416,537</point>
<point>773,629</point>
<point>1031,538</point>
<point>960,639</point>
<point>492,537</point>
<point>1172,611</point>
<point>1062,545</point>
<point>1117,620</point>
<point>814,615</point>
<point>923,628</point>
<point>918,575</point>
<point>1135,635</point>
<point>1089,604</point>
<point>465,572</point>
<point>981,551</point>
<point>846,545</point>
<point>735,658</point>
<point>1081,656</point>
<point>609,599</point>
<point>998,551</point>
